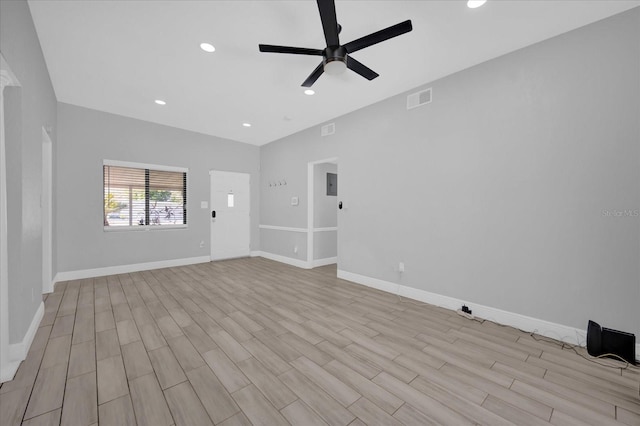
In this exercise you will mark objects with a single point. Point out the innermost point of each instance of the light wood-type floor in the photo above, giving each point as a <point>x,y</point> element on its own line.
<point>251,341</point>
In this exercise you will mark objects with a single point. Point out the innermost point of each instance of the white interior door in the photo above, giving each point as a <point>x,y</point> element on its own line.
<point>230,215</point>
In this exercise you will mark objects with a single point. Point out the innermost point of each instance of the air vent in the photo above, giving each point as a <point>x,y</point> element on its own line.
<point>328,129</point>
<point>420,98</point>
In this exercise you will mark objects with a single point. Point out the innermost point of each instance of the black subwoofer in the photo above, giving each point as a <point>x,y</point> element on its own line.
<point>603,341</point>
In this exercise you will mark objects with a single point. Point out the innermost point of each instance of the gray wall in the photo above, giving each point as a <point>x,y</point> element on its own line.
<point>87,137</point>
<point>494,193</point>
<point>288,159</point>
<point>325,245</point>
<point>284,243</point>
<point>28,109</point>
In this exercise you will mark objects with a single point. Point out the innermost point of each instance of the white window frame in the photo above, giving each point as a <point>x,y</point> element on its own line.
<point>145,228</point>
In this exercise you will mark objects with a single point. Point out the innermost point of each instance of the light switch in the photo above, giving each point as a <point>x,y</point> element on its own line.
<point>294,201</point>
<point>204,204</point>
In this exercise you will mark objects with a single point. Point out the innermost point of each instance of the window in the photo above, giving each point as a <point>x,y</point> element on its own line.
<point>141,195</point>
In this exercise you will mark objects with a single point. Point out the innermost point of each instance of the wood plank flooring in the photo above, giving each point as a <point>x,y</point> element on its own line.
<point>251,341</point>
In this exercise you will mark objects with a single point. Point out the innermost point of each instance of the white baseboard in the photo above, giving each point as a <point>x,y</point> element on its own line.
<point>8,370</point>
<point>18,351</point>
<point>561,332</point>
<point>283,259</point>
<point>125,269</point>
<point>255,253</point>
<point>323,262</point>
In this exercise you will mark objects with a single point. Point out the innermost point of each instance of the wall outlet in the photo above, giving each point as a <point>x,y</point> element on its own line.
<point>295,249</point>
<point>401,267</point>
<point>201,244</point>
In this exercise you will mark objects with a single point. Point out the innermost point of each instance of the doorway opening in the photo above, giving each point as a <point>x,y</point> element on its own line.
<point>322,212</point>
<point>230,232</point>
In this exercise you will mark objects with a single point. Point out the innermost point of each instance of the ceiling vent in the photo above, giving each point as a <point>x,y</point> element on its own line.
<point>420,98</point>
<point>328,129</point>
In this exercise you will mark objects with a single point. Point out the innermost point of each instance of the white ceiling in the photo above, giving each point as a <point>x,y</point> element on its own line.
<point>119,56</point>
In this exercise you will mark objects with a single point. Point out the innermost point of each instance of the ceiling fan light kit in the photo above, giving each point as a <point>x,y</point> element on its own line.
<point>474,4</point>
<point>335,60</point>
<point>335,67</point>
<point>336,57</point>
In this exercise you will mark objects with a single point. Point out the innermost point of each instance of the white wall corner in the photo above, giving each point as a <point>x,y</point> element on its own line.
<point>18,351</point>
<point>125,269</point>
<point>560,332</point>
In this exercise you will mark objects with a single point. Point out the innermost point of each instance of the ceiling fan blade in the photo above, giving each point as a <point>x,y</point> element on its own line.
<point>361,69</point>
<point>314,76</point>
<point>288,49</point>
<point>379,36</point>
<point>327,10</point>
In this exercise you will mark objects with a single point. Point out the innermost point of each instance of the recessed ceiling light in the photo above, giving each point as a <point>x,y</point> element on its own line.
<point>246,124</point>
<point>472,4</point>
<point>309,92</point>
<point>207,47</point>
<point>160,102</point>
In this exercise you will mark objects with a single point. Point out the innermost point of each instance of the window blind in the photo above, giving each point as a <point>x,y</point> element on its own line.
<point>143,196</point>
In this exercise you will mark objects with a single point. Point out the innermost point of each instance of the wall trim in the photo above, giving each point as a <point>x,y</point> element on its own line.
<point>283,228</point>
<point>18,351</point>
<point>327,229</point>
<point>324,262</point>
<point>283,259</point>
<point>124,269</point>
<point>560,332</point>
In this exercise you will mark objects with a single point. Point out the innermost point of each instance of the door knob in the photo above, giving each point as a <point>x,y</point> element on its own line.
<point>213,214</point>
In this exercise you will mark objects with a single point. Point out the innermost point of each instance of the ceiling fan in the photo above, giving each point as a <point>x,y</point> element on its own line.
<point>336,57</point>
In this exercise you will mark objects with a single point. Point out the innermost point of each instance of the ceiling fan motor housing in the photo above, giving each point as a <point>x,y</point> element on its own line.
<point>334,53</point>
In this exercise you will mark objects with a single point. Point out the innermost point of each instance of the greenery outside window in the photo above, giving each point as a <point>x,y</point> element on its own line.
<point>141,196</point>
